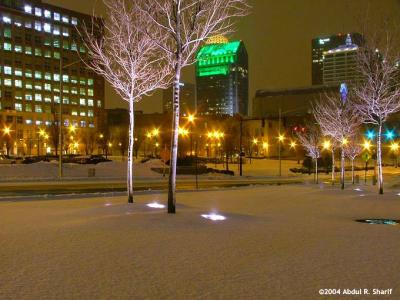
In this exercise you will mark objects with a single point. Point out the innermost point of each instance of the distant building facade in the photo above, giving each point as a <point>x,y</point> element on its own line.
<point>37,41</point>
<point>321,45</point>
<point>222,79</point>
<point>188,101</point>
<point>340,64</point>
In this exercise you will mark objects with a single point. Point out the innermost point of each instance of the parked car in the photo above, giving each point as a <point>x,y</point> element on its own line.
<point>6,159</point>
<point>91,159</point>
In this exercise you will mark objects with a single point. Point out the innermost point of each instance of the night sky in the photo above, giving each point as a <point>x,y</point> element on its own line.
<point>278,38</point>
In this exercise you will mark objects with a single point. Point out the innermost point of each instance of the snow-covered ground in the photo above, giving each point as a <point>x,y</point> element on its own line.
<point>283,242</point>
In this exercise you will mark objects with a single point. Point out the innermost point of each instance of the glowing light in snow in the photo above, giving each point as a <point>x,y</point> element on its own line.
<point>156,205</point>
<point>358,190</point>
<point>213,217</point>
<point>108,204</point>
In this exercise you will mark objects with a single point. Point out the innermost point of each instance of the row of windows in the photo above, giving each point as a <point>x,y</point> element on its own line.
<point>38,108</point>
<point>7,46</point>
<point>38,26</point>
<point>39,12</point>
<point>47,87</point>
<point>8,70</point>
<point>81,123</point>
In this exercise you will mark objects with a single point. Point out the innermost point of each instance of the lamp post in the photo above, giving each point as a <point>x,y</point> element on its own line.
<point>281,138</point>
<point>60,120</point>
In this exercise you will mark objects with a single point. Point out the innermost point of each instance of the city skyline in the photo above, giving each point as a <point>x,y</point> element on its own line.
<point>280,50</point>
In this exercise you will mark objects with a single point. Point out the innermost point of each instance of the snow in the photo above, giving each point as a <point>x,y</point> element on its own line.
<point>282,242</point>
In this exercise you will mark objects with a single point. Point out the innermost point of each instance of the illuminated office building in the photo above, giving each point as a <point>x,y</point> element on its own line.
<point>323,44</point>
<point>37,41</point>
<point>222,79</point>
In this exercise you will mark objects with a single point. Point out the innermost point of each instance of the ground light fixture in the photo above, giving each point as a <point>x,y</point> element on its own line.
<point>156,205</point>
<point>213,217</point>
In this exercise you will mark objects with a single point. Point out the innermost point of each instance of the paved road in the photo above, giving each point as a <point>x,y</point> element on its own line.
<point>12,189</point>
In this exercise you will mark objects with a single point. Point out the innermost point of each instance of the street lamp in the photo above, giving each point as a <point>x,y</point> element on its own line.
<point>395,148</point>
<point>281,139</point>
<point>191,118</point>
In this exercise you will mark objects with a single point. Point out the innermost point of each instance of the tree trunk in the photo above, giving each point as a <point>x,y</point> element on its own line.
<point>174,142</point>
<point>352,171</point>
<point>129,175</point>
<point>333,166</point>
<point>379,159</point>
<point>342,168</point>
<point>316,170</point>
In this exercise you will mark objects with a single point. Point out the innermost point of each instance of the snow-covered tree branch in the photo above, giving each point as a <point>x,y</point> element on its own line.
<point>127,58</point>
<point>183,25</point>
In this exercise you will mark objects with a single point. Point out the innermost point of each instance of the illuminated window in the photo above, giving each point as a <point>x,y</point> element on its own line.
<point>82,113</point>
<point>82,102</point>
<point>7,82</point>
<point>38,52</point>
<point>18,95</point>
<point>38,75</point>
<point>90,113</point>
<point>57,16</point>
<point>82,81</point>
<point>56,30</point>
<point>74,80</point>
<point>47,76</point>
<point>65,31</point>
<point>74,112</point>
<point>28,9</point>
<point>47,41</point>
<point>38,86</point>
<point>18,83</point>
<point>7,32</point>
<point>28,108</point>
<point>65,78</point>
<point>56,43</point>
<point>38,26</point>
<point>7,70</point>
<point>90,102</point>
<point>65,19</point>
<point>90,92</point>
<point>7,19</point>
<point>28,24</point>
<point>56,99</point>
<point>65,100</point>
<point>28,50</point>
<point>18,106</point>
<point>38,11</point>
<point>47,14</point>
<point>47,53</point>
<point>47,27</point>
<point>28,97</point>
<point>38,97</point>
<point>74,90</point>
<point>28,73</point>
<point>7,46</point>
<point>39,122</point>
<point>56,77</point>
<point>82,91</point>
<point>38,109</point>
<point>18,48</point>
<point>83,123</point>
<point>28,85</point>
<point>65,89</point>
<point>90,81</point>
<point>47,86</point>
<point>18,72</point>
<point>74,21</point>
<point>65,45</point>
<point>74,47</point>
<point>99,103</point>
<point>18,22</point>
<point>47,98</point>
<point>56,55</point>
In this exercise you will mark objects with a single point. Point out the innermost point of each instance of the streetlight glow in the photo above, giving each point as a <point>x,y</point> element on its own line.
<point>7,130</point>
<point>394,147</point>
<point>191,118</point>
<point>367,145</point>
<point>293,144</point>
<point>281,137</point>
<point>326,145</point>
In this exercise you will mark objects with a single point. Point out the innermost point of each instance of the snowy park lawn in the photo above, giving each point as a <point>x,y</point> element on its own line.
<point>277,243</point>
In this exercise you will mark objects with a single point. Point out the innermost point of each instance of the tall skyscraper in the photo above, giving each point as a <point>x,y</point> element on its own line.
<point>320,45</point>
<point>40,66</point>
<point>340,64</point>
<point>222,79</point>
<point>187,99</point>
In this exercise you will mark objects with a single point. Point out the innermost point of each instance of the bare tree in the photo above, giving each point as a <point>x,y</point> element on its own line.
<point>378,96</point>
<point>185,24</point>
<point>352,150</point>
<point>311,140</point>
<point>127,58</point>
<point>335,115</point>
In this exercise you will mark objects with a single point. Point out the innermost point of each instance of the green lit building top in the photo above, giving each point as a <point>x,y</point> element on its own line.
<point>222,79</point>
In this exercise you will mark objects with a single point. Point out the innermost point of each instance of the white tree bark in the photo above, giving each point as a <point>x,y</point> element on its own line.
<point>342,167</point>
<point>131,150</point>
<point>379,159</point>
<point>333,165</point>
